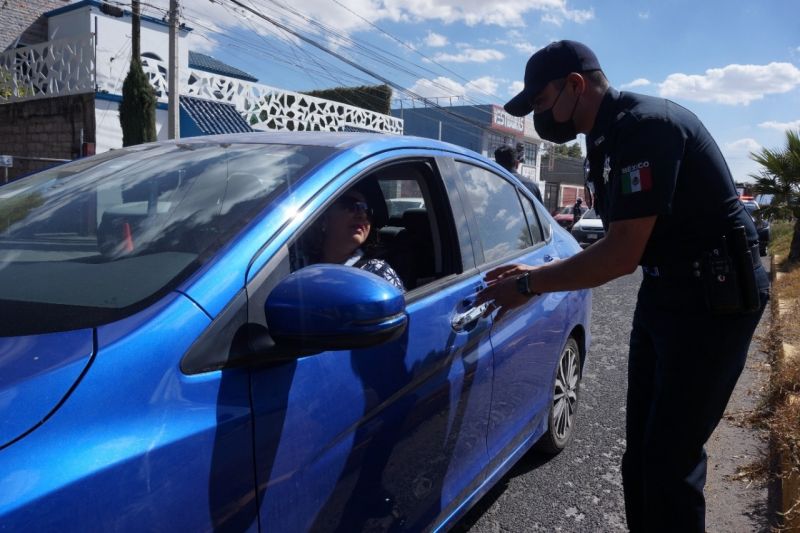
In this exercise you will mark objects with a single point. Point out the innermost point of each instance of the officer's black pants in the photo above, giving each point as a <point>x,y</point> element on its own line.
<point>683,366</point>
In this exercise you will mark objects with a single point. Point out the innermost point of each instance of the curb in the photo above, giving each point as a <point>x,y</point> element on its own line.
<point>789,478</point>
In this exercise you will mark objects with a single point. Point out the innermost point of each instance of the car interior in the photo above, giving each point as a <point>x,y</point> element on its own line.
<point>409,240</point>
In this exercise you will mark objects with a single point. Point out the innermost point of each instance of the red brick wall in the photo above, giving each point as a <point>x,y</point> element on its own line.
<point>23,19</point>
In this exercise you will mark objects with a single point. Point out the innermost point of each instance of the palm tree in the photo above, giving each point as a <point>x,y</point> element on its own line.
<point>780,177</point>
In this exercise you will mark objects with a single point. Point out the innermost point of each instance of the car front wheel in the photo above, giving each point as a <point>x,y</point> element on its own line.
<point>564,405</point>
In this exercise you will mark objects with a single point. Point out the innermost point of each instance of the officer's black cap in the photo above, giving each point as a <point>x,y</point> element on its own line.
<point>553,62</point>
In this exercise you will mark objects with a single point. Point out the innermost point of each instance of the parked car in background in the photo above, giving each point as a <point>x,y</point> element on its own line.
<point>171,360</point>
<point>762,225</point>
<point>563,216</point>
<point>589,229</point>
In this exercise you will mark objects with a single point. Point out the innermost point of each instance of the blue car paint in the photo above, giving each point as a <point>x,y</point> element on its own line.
<point>138,442</point>
<point>369,297</point>
<point>38,372</point>
<point>369,404</point>
<point>524,365</point>
<point>182,444</point>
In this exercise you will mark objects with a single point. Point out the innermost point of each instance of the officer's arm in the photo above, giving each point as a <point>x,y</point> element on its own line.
<point>613,256</point>
<point>617,254</point>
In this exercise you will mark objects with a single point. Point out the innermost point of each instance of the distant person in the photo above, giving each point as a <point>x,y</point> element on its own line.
<point>577,210</point>
<point>506,157</point>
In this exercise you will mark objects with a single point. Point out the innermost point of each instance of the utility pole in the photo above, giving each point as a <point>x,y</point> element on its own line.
<point>136,28</point>
<point>173,121</point>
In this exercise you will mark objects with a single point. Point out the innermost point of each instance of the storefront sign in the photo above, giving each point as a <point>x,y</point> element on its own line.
<point>503,121</point>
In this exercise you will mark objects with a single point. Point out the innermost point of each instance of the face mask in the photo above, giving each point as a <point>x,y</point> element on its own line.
<point>550,130</point>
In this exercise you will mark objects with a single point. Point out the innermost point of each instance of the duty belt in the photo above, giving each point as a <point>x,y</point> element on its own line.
<point>690,269</point>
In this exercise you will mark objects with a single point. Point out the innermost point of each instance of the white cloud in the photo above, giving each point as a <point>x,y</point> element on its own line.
<point>443,87</point>
<point>526,48</point>
<point>781,126</point>
<point>435,40</point>
<point>557,17</point>
<point>471,55</point>
<point>644,15</point>
<point>486,85</point>
<point>515,88</point>
<point>638,82</point>
<point>504,13</point>
<point>741,148</point>
<point>737,155</point>
<point>437,88</point>
<point>733,84</point>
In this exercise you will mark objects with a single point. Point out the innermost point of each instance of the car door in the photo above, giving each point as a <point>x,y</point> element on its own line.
<point>392,436</point>
<point>526,341</point>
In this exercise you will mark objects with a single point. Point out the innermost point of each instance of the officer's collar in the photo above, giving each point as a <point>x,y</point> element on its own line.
<point>606,115</point>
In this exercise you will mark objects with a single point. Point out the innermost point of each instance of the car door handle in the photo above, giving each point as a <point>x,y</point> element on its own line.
<point>462,320</point>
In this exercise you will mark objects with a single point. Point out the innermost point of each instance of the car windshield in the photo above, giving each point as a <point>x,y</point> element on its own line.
<point>589,214</point>
<point>90,241</point>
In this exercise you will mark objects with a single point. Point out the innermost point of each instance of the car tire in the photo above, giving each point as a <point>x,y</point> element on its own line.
<point>564,404</point>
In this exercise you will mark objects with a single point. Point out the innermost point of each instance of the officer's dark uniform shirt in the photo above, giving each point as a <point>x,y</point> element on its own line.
<point>649,156</point>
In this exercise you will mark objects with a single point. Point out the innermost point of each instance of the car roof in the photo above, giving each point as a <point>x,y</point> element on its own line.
<point>338,140</point>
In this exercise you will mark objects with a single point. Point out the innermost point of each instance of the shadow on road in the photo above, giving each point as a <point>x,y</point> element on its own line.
<point>529,462</point>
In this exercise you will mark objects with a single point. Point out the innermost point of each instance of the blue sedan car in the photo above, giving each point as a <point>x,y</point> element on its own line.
<point>169,361</point>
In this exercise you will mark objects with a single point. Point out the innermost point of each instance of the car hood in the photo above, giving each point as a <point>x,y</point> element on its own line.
<point>37,373</point>
<point>591,223</point>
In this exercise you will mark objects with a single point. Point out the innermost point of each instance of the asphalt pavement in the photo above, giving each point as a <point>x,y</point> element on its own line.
<point>581,488</point>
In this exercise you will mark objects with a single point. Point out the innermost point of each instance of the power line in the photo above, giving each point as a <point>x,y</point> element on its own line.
<point>413,49</point>
<point>369,50</point>
<point>353,64</point>
<point>366,49</point>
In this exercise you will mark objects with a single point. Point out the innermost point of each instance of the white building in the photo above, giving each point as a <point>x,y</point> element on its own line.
<point>88,52</point>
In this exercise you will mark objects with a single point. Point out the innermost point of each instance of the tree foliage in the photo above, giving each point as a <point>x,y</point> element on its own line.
<point>137,111</point>
<point>566,150</point>
<point>779,176</point>
<point>377,98</point>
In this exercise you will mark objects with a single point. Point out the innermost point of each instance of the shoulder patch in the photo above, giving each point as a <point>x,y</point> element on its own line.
<point>636,178</point>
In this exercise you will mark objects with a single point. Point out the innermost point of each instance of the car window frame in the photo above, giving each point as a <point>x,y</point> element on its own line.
<point>436,160</point>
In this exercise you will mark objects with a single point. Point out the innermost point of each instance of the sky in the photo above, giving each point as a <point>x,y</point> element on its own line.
<point>734,63</point>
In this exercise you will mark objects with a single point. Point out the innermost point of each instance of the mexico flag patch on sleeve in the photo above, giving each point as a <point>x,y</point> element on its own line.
<point>636,178</point>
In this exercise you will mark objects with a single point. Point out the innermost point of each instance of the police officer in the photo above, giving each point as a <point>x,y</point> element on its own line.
<point>507,157</point>
<point>668,202</point>
<point>577,210</point>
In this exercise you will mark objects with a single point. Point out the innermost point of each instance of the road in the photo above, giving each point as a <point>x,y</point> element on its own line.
<point>581,488</point>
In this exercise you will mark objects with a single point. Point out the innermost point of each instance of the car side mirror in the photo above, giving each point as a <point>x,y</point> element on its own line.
<point>334,307</point>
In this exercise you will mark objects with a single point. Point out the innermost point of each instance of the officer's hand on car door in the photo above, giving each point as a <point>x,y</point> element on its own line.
<point>502,289</point>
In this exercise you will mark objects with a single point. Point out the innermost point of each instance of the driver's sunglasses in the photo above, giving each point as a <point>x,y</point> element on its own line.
<point>354,206</point>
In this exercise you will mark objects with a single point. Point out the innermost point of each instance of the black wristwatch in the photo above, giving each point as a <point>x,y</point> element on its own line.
<point>523,284</point>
